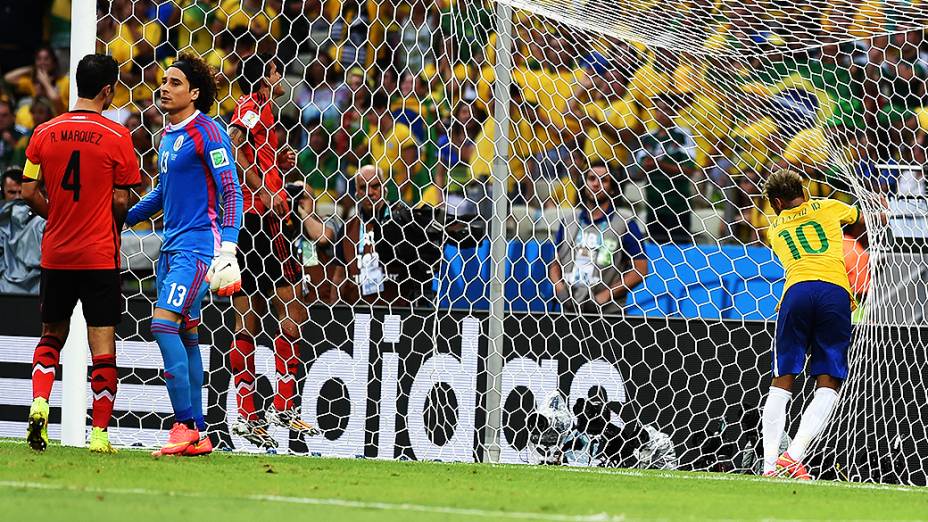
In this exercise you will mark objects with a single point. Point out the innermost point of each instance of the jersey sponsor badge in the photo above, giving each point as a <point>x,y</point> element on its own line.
<point>178,143</point>
<point>219,158</point>
<point>250,119</point>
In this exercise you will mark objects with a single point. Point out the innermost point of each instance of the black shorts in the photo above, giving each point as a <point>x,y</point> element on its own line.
<point>97,290</point>
<point>265,254</point>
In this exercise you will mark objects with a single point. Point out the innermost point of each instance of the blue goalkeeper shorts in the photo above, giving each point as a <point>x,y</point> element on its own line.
<point>814,320</point>
<point>181,281</point>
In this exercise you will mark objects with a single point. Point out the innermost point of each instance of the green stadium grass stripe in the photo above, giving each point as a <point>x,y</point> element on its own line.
<point>331,502</point>
<point>701,475</point>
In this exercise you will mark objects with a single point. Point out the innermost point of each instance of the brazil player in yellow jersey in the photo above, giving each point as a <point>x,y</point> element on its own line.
<point>814,319</point>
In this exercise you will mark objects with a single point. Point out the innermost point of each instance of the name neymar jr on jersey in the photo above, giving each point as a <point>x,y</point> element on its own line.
<point>779,220</point>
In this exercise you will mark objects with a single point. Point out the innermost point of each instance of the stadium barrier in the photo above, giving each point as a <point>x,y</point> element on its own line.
<point>379,388</point>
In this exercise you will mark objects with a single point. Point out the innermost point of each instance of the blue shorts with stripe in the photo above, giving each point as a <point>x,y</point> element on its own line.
<point>814,320</point>
<point>181,281</point>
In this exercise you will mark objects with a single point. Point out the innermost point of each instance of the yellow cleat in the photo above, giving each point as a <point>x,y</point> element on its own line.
<point>100,442</point>
<point>37,431</point>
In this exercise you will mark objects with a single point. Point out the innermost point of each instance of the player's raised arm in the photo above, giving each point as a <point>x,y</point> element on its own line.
<point>148,206</point>
<point>126,175</point>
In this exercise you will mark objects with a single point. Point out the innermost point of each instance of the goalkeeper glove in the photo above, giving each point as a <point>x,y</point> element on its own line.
<point>224,276</point>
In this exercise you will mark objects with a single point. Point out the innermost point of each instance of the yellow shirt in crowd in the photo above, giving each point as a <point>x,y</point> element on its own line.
<point>387,154</point>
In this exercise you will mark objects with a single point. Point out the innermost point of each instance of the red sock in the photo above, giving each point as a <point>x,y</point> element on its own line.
<point>45,366</point>
<point>103,381</point>
<point>286,360</point>
<point>242,361</point>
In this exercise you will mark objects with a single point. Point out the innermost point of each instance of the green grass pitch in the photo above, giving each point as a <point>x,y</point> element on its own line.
<point>71,484</point>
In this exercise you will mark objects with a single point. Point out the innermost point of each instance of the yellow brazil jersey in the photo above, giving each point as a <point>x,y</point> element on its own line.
<point>387,154</point>
<point>809,242</point>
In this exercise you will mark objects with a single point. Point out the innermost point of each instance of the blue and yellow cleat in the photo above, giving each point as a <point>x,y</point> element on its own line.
<point>37,431</point>
<point>100,442</point>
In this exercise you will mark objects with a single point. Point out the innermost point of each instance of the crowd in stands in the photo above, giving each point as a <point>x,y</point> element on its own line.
<point>409,87</point>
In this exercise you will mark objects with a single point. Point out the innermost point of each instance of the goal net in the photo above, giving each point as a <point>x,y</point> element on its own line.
<point>570,261</point>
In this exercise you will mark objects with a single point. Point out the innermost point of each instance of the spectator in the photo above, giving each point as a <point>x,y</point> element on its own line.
<point>9,134</point>
<point>394,151</point>
<point>353,87</point>
<point>12,184</point>
<point>415,44</point>
<point>231,48</point>
<point>413,107</point>
<point>144,148</point>
<point>355,44</point>
<point>20,238</point>
<point>198,25</point>
<point>363,248</point>
<point>44,78</point>
<point>251,15</point>
<point>41,111</point>
<point>608,115</point>
<point>318,166</point>
<point>903,75</point>
<point>748,223</point>
<point>149,73</point>
<point>599,251</point>
<point>317,247</point>
<point>316,94</point>
<point>455,151</point>
<point>667,163</point>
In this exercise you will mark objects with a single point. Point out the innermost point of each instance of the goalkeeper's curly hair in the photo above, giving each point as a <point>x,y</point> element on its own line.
<point>202,77</point>
<point>784,184</point>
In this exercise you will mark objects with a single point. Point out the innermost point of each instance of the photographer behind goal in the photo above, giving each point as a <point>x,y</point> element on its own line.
<point>590,438</point>
<point>391,252</point>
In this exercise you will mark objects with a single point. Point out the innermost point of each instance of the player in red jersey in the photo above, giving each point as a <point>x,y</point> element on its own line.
<point>87,164</point>
<point>270,272</point>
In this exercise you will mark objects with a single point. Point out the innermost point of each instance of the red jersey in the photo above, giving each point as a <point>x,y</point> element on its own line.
<point>253,114</point>
<point>82,157</point>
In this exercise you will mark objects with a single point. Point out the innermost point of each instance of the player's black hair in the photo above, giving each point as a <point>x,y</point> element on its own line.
<point>14,172</point>
<point>200,76</point>
<point>94,72</point>
<point>380,101</point>
<point>784,184</point>
<point>254,69</point>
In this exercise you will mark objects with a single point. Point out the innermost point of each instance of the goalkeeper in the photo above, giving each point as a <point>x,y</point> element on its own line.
<point>196,176</point>
<point>814,315</point>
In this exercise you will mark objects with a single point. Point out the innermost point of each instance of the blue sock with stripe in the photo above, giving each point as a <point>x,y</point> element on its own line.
<point>191,341</point>
<point>176,368</point>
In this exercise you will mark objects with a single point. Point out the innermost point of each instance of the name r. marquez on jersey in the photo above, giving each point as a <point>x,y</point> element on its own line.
<point>76,136</point>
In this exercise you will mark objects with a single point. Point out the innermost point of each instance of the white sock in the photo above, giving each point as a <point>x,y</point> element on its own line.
<point>813,421</point>
<point>773,422</point>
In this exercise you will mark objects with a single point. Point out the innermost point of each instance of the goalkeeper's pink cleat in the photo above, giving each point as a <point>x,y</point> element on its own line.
<point>179,438</point>
<point>203,446</point>
<point>790,467</point>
